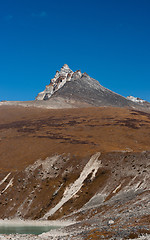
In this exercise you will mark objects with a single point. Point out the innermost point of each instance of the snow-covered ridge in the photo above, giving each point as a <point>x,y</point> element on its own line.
<point>135,99</point>
<point>60,78</point>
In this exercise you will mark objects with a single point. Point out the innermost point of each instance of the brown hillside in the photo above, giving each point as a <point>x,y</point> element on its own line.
<point>27,134</point>
<point>91,165</point>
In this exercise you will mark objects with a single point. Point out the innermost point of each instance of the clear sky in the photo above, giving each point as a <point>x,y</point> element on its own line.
<point>108,39</point>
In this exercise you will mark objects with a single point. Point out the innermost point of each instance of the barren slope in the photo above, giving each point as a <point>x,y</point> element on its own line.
<point>76,163</point>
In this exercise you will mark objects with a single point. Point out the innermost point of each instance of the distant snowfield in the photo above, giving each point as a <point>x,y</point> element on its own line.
<point>135,99</point>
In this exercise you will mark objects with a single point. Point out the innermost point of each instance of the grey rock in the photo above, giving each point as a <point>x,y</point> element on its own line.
<point>80,87</point>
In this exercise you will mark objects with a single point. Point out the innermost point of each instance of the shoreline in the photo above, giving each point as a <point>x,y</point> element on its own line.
<point>20,222</point>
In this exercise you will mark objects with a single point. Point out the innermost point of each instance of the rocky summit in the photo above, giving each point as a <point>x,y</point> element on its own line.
<point>76,87</point>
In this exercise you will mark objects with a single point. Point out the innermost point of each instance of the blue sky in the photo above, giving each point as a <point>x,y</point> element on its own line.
<point>108,39</point>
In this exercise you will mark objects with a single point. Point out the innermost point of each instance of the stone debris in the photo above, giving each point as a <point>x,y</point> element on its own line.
<point>111,222</point>
<point>91,167</point>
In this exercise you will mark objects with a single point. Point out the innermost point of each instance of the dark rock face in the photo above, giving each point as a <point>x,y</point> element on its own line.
<point>87,89</point>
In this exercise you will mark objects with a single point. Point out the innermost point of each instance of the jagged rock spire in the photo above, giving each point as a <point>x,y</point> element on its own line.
<point>60,78</point>
<point>65,66</point>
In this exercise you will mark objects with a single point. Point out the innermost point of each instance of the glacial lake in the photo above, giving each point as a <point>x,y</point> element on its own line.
<point>36,230</point>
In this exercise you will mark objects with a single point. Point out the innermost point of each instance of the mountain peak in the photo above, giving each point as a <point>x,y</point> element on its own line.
<point>79,88</point>
<point>65,66</point>
<point>75,86</point>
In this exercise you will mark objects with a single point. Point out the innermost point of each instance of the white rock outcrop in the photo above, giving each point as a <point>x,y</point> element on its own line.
<point>135,99</point>
<point>60,78</point>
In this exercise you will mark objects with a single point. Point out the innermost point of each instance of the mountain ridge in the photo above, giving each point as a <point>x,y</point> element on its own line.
<point>77,86</point>
<point>70,89</point>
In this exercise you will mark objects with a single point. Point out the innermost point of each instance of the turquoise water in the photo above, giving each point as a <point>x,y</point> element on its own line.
<point>5,229</point>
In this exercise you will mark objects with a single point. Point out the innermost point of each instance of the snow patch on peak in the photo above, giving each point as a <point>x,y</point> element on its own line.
<point>135,99</point>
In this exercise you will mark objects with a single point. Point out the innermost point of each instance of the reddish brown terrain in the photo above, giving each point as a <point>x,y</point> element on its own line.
<point>44,152</point>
